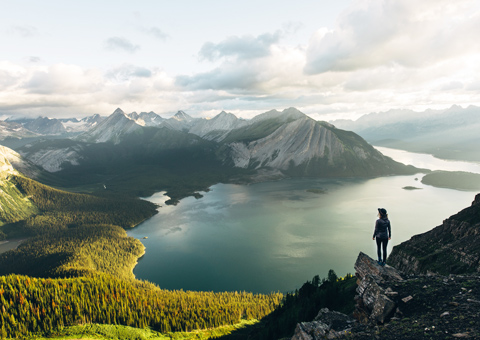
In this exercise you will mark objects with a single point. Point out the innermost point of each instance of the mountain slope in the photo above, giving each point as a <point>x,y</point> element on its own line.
<point>53,155</point>
<point>74,125</point>
<point>46,126</point>
<point>14,130</point>
<point>14,205</point>
<point>146,118</point>
<point>218,127</point>
<point>300,146</point>
<point>110,130</point>
<point>181,122</point>
<point>453,247</point>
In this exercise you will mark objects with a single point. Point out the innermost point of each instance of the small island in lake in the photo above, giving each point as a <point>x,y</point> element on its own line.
<point>408,187</point>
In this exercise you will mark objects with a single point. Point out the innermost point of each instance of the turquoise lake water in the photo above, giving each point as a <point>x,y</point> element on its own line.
<point>274,236</point>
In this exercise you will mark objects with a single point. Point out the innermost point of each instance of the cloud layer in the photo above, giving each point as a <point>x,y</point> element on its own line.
<point>381,54</point>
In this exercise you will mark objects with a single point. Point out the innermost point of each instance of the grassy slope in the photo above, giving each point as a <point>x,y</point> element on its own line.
<point>114,332</point>
<point>14,205</point>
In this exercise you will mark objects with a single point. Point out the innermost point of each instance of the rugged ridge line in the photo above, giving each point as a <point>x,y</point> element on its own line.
<point>452,247</point>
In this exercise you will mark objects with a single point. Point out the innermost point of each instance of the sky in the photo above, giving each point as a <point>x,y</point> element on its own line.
<point>329,59</point>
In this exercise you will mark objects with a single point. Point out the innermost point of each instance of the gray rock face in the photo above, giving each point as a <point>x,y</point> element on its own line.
<point>291,144</point>
<point>13,129</point>
<point>218,127</point>
<point>373,301</point>
<point>111,129</point>
<point>327,325</point>
<point>180,122</point>
<point>146,118</point>
<point>449,248</point>
<point>46,126</point>
<point>52,159</point>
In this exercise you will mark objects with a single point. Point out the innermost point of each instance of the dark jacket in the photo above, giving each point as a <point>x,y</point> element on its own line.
<point>382,228</point>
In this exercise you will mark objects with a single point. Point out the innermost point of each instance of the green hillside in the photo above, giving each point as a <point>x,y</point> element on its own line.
<point>76,269</point>
<point>32,305</point>
<point>14,205</point>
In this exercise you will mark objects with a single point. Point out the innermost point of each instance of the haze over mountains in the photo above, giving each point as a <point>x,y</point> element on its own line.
<point>451,133</point>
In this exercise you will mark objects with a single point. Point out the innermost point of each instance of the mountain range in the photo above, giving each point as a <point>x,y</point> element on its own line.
<point>272,145</point>
<point>451,133</point>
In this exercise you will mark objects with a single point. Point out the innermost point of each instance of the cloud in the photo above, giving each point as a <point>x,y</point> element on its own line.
<point>242,48</point>
<point>120,44</point>
<point>25,31</point>
<point>62,90</point>
<point>128,71</point>
<point>62,78</point>
<point>156,33</point>
<point>33,59</point>
<point>10,75</point>
<point>374,33</point>
<point>282,68</point>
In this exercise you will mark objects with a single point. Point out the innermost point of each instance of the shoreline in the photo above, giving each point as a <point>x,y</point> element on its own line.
<point>137,259</point>
<point>12,244</point>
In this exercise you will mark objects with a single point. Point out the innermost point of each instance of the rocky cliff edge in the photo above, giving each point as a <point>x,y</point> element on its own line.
<point>451,248</point>
<point>392,305</point>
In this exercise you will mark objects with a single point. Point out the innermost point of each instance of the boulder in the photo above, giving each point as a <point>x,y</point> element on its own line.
<point>327,325</point>
<point>373,303</point>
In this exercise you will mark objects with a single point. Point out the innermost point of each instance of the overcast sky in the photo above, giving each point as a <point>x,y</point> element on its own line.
<point>330,59</point>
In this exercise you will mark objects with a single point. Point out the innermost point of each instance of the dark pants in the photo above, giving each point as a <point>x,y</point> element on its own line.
<point>382,242</point>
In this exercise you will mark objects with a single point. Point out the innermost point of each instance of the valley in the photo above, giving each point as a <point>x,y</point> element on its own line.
<point>250,205</point>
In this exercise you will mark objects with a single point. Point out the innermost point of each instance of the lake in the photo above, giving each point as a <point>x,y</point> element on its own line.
<point>274,236</point>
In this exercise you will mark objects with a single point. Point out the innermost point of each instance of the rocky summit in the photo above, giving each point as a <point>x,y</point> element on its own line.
<point>393,305</point>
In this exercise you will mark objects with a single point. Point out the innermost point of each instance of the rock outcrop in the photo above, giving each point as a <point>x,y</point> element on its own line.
<point>391,305</point>
<point>326,325</point>
<point>451,248</point>
<point>373,300</point>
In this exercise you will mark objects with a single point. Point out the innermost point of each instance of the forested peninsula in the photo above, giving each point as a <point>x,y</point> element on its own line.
<point>75,268</point>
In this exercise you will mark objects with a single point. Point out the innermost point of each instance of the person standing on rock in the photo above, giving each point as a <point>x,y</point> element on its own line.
<point>382,233</point>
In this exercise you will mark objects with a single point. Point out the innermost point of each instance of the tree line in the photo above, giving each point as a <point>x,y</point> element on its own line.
<point>303,305</point>
<point>79,263</point>
<point>41,305</point>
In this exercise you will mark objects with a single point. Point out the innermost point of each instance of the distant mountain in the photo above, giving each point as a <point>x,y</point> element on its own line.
<point>110,129</point>
<point>218,127</point>
<point>146,118</point>
<point>451,248</point>
<point>45,126</point>
<point>74,125</point>
<point>180,121</point>
<point>451,133</point>
<point>14,130</point>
